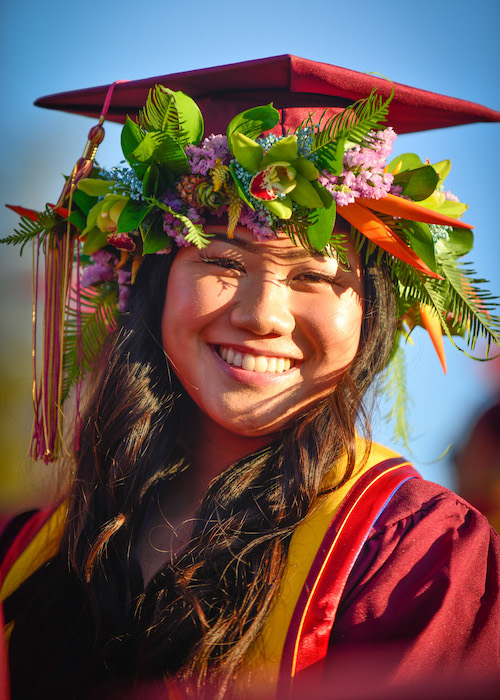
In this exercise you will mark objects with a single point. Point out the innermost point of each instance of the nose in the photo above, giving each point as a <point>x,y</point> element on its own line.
<point>263,307</point>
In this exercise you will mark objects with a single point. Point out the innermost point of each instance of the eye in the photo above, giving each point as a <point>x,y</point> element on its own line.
<point>224,262</point>
<point>313,278</point>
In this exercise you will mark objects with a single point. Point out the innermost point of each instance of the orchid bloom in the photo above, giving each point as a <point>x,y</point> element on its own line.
<point>281,176</point>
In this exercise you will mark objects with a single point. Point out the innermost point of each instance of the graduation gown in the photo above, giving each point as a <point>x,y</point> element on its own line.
<point>390,573</point>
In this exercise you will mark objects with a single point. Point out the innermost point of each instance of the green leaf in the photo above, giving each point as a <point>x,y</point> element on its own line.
<point>418,184</point>
<point>459,242</point>
<point>325,196</point>
<point>252,122</point>
<point>284,150</point>
<point>151,181</point>
<point>95,240</point>
<point>408,161</point>
<point>78,219</point>
<point>190,119</point>
<point>131,137</point>
<point>453,209</point>
<point>83,201</point>
<point>305,194</point>
<point>170,154</point>
<point>132,216</point>
<point>247,152</point>
<point>331,156</point>
<point>319,232</point>
<point>162,150</point>
<point>241,191</point>
<point>138,168</point>
<point>144,152</point>
<point>282,208</point>
<point>421,241</point>
<point>442,168</point>
<point>94,187</point>
<point>154,237</point>
<point>296,227</point>
<point>306,168</point>
<point>172,113</point>
<point>92,217</point>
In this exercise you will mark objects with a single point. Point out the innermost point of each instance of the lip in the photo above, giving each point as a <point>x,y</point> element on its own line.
<point>250,377</point>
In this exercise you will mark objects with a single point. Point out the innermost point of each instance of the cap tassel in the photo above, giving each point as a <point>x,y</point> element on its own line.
<point>60,247</point>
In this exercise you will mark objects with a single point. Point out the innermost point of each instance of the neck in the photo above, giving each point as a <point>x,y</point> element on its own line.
<point>214,448</point>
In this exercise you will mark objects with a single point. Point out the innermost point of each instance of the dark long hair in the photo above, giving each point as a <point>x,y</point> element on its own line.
<point>85,618</point>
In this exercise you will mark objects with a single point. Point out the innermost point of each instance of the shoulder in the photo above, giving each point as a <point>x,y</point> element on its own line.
<point>423,509</point>
<point>428,527</point>
<point>427,577</point>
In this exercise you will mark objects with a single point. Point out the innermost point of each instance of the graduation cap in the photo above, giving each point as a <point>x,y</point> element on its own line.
<point>296,86</point>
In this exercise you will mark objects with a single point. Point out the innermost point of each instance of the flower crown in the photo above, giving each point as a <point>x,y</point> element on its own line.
<point>296,183</point>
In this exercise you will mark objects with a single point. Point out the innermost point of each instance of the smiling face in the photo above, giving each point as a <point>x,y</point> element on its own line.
<point>257,332</point>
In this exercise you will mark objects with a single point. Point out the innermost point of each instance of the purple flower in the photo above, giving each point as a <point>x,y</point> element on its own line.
<point>203,158</point>
<point>257,222</point>
<point>104,257</point>
<point>123,298</point>
<point>96,274</point>
<point>124,276</point>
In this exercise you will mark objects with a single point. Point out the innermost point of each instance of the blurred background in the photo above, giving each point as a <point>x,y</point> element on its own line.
<point>50,46</point>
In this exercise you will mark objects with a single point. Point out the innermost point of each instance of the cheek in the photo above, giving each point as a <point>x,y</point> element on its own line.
<point>338,329</point>
<point>190,306</point>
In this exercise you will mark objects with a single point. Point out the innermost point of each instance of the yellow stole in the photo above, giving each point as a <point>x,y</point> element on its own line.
<point>259,676</point>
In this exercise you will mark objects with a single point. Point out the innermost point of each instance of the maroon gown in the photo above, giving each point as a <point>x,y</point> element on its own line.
<point>421,605</point>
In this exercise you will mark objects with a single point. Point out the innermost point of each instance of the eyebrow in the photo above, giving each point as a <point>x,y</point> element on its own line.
<point>251,247</point>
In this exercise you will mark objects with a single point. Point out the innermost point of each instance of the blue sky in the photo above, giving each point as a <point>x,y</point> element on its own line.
<point>49,47</point>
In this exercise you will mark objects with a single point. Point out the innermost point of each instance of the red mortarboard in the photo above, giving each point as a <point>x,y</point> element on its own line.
<point>295,85</point>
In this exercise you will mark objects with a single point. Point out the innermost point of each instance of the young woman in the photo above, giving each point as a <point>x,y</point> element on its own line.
<point>225,528</point>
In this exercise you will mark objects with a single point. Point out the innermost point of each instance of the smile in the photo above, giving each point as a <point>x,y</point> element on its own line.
<point>255,363</point>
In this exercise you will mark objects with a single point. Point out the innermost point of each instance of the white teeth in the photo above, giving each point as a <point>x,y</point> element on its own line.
<point>271,364</point>
<point>248,363</point>
<point>260,364</point>
<point>255,363</point>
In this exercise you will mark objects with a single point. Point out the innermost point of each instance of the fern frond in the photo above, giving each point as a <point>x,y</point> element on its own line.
<point>353,122</point>
<point>296,228</point>
<point>470,305</point>
<point>27,229</point>
<point>97,320</point>
<point>160,114</point>
<point>195,233</point>
<point>395,389</point>
<point>160,111</point>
